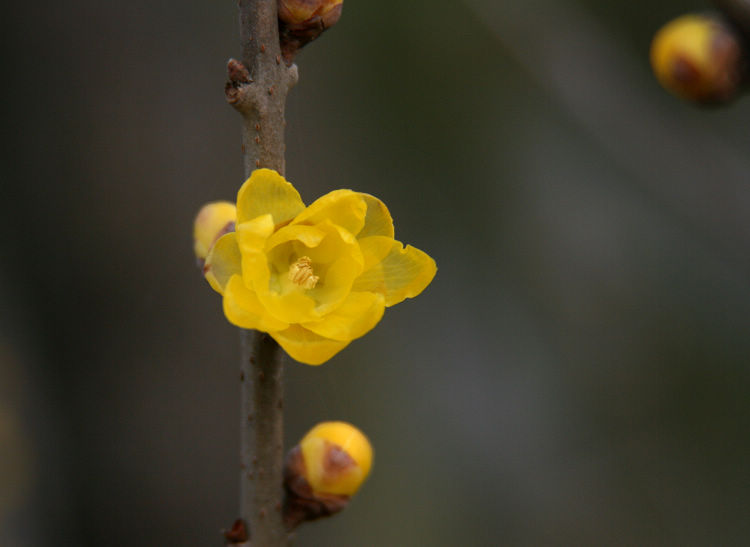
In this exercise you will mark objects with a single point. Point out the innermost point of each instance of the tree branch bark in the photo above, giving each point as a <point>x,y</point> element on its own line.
<point>257,87</point>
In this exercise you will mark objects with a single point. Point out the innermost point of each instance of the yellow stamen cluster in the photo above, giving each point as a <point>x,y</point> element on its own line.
<point>301,273</point>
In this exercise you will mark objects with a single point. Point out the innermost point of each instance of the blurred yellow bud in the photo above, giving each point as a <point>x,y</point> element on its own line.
<point>213,220</point>
<point>337,458</point>
<point>294,12</point>
<point>699,58</point>
<point>302,21</point>
<point>321,473</point>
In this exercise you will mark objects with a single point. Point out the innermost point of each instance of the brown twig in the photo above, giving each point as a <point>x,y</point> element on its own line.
<point>738,11</point>
<point>257,87</point>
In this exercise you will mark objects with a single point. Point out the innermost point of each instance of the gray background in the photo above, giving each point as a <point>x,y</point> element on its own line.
<point>577,373</point>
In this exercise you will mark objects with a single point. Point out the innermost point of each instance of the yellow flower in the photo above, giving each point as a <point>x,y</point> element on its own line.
<point>314,278</point>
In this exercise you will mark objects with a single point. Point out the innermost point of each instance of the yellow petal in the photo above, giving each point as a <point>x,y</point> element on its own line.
<point>338,242</point>
<point>306,346</point>
<point>309,236</point>
<point>292,307</point>
<point>253,234</point>
<point>266,192</point>
<point>374,249</point>
<point>344,208</point>
<point>251,239</point>
<point>378,221</point>
<point>242,308</point>
<point>359,313</point>
<point>403,273</point>
<point>222,262</point>
<point>341,263</point>
<point>336,283</point>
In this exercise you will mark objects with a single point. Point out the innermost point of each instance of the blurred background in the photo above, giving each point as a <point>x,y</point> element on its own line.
<point>578,373</point>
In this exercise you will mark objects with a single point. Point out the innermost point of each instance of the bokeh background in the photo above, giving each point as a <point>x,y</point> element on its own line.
<point>577,374</point>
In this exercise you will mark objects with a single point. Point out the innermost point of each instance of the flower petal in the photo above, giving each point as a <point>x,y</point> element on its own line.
<point>242,308</point>
<point>342,262</point>
<point>266,192</point>
<point>378,221</point>
<point>336,283</point>
<point>223,261</point>
<point>374,249</point>
<point>359,313</point>
<point>306,346</point>
<point>309,236</point>
<point>251,239</point>
<point>292,307</point>
<point>344,208</point>
<point>403,273</point>
<point>253,234</point>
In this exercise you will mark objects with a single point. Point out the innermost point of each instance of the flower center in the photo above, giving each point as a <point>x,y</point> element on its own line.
<point>301,273</point>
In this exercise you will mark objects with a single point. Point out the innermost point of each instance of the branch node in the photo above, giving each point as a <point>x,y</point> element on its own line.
<point>237,72</point>
<point>237,534</point>
<point>237,89</point>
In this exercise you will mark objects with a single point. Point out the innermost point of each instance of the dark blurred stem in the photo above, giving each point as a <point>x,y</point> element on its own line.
<point>257,88</point>
<point>738,11</point>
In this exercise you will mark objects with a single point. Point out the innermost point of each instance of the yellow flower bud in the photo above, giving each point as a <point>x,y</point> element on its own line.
<point>321,473</point>
<point>699,58</point>
<point>337,458</point>
<point>302,21</point>
<point>213,220</point>
<point>295,12</point>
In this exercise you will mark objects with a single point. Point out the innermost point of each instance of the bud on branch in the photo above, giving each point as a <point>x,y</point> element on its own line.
<point>302,21</point>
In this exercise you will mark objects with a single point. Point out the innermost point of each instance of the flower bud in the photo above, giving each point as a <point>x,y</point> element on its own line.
<point>302,21</point>
<point>321,473</point>
<point>213,221</point>
<point>337,458</point>
<point>699,58</point>
<point>294,12</point>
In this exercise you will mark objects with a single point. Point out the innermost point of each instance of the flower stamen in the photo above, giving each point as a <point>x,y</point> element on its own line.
<point>301,273</point>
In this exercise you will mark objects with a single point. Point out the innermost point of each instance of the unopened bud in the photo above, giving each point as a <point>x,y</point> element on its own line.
<point>295,12</point>
<point>337,458</point>
<point>699,58</point>
<point>213,221</point>
<point>324,470</point>
<point>302,21</point>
